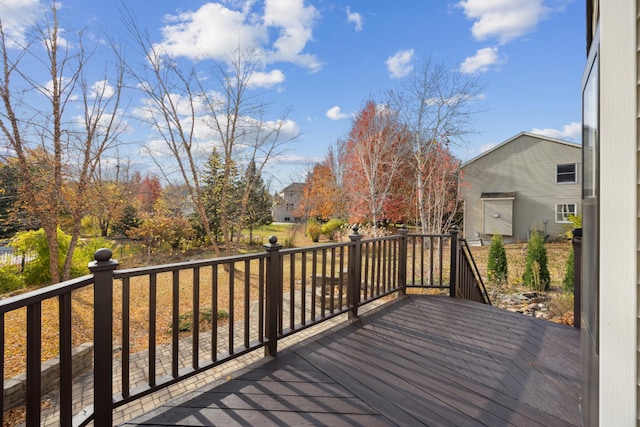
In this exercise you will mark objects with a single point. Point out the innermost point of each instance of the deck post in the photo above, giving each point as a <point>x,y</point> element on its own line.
<point>274,290</point>
<point>453,269</point>
<point>402,259</point>
<point>354,272</point>
<point>576,242</point>
<point>102,269</point>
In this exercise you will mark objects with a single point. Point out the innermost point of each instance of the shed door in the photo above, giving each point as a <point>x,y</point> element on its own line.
<point>498,217</point>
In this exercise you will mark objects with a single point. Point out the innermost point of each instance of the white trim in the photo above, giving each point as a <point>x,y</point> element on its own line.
<point>555,216</point>
<point>575,173</point>
<point>618,214</point>
<point>532,135</point>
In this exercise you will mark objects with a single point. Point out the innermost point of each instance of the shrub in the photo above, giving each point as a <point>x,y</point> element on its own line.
<point>10,278</point>
<point>497,262</point>
<point>536,273</point>
<point>36,271</point>
<point>568,280</point>
<point>332,227</point>
<point>185,320</point>
<point>314,229</point>
<point>576,222</point>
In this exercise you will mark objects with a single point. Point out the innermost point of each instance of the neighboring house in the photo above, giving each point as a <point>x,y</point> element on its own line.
<point>529,182</point>
<point>611,215</point>
<point>286,202</point>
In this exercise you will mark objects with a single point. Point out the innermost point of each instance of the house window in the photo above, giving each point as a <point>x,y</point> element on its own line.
<point>566,173</point>
<point>564,210</point>
<point>289,207</point>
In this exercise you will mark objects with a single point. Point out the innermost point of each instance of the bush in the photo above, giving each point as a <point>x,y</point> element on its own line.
<point>10,278</point>
<point>536,273</point>
<point>314,229</point>
<point>332,227</point>
<point>497,262</point>
<point>185,320</point>
<point>36,271</point>
<point>568,281</point>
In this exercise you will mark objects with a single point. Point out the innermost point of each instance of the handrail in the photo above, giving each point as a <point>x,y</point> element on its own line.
<point>271,295</point>
<point>476,278</point>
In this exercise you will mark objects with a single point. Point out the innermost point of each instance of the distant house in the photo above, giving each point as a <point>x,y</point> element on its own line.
<point>286,202</point>
<point>529,182</point>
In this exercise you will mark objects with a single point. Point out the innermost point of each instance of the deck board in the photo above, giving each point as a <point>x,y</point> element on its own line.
<point>419,360</point>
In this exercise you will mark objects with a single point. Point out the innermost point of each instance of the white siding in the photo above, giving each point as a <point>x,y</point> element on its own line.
<point>618,214</point>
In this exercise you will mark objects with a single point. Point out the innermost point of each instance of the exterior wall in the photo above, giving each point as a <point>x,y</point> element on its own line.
<point>526,165</point>
<point>619,195</point>
<point>286,203</point>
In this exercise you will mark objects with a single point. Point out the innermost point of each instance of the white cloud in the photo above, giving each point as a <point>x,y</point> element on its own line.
<point>572,131</point>
<point>17,17</point>
<point>335,113</point>
<point>295,22</point>
<point>399,65</point>
<point>481,61</point>
<point>102,89</point>
<point>266,79</point>
<point>505,20</point>
<point>355,18</point>
<point>214,31</point>
<point>297,160</point>
<point>211,31</point>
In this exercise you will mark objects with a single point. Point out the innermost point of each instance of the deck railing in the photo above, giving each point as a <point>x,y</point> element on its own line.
<point>266,296</point>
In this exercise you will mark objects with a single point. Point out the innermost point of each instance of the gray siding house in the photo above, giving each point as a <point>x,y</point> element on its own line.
<point>529,182</point>
<point>286,202</point>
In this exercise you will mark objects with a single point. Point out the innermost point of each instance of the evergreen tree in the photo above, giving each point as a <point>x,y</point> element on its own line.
<point>568,281</point>
<point>536,273</point>
<point>258,209</point>
<point>129,220</point>
<point>212,181</point>
<point>13,217</point>
<point>497,263</point>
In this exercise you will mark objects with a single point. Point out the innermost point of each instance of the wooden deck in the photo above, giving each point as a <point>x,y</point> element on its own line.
<point>420,360</point>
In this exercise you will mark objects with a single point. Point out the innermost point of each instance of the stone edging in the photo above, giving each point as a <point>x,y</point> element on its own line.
<point>16,387</point>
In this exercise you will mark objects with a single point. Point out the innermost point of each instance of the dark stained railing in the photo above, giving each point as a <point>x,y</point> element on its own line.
<point>267,296</point>
<point>471,284</point>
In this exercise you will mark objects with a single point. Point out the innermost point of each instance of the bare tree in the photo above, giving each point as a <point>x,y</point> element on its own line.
<point>179,105</point>
<point>172,107</point>
<point>238,119</point>
<point>437,104</point>
<point>57,148</point>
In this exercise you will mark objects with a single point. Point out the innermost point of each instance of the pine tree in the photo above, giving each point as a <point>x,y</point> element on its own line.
<point>536,273</point>
<point>497,263</point>
<point>568,281</point>
<point>258,209</point>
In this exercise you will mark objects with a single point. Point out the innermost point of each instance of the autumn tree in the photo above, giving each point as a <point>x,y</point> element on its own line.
<point>147,193</point>
<point>377,150</point>
<point>437,105</point>
<point>111,194</point>
<point>324,198</point>
<point>57,128</point>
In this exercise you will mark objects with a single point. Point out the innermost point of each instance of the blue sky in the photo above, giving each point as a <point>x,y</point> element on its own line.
<point>325,58</point>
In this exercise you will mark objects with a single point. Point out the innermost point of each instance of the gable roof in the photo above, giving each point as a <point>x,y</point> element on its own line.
<point>294,187</point>
<point>532,135</point>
